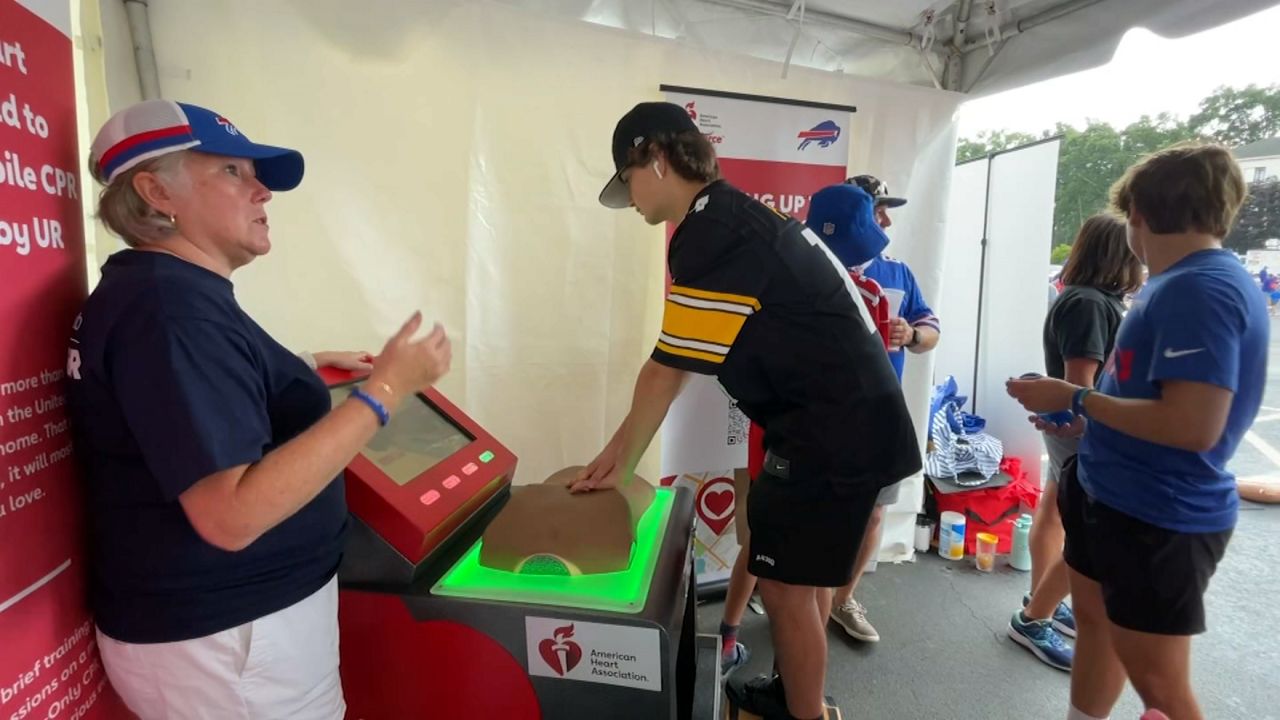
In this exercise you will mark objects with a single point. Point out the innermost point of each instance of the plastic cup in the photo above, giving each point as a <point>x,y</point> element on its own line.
<point>924,536</point>
<point>985,557</point>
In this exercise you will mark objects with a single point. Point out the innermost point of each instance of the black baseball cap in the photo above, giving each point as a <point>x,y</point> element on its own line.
<point>877,190</point>
<point>641,123</point>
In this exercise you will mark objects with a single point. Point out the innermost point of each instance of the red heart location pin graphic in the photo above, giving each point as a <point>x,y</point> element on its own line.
<point>715,504</point>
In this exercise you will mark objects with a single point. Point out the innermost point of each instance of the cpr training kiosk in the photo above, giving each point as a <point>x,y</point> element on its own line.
<point>428,631</point>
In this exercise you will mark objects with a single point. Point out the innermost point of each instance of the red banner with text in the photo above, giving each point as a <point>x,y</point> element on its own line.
<point>49,664</point>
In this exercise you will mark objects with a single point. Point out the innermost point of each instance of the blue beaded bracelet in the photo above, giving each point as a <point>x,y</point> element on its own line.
<point>378,408</point>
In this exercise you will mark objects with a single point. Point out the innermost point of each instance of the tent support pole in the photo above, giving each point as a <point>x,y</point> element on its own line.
<point>816,17</point>
<point>144,54</point>
<point>983,70</point>
<point>1031,22</point>
<point>953,75</point>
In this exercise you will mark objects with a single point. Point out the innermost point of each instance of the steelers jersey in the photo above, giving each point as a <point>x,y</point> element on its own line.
<point>758,301</point>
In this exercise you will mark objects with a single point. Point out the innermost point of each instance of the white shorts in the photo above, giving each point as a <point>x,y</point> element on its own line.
<point>284,665</point>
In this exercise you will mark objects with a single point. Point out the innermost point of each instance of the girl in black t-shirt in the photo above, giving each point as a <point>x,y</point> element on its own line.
<point>1079,334</point>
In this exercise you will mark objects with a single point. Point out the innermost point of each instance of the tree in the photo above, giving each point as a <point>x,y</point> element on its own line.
<point>1059,254</point>
<point>1238,117</point>
<point>1092,158</point>
<point>1259,219</point>
<point>989,142</point>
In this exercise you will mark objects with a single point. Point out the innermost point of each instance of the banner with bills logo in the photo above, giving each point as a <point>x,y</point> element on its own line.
<point>781,152</point>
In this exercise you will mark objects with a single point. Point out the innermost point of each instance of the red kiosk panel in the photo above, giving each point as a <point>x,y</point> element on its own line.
<point>425,473</point>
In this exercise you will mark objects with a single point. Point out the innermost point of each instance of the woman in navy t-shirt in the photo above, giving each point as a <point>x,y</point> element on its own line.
<point>211,454</point>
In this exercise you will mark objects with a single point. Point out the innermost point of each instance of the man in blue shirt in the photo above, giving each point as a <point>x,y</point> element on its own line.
<point>1149,507</point>
<point>914,327</point>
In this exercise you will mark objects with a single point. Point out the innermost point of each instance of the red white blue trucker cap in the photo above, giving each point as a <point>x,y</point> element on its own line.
<point>153,128</point>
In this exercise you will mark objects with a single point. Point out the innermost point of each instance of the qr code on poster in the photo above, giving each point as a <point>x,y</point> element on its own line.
<point>737,427</point>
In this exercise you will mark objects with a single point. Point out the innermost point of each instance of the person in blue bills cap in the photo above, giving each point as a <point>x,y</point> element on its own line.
<point>913,328</point>
<point>758,301</point>
<point>211,454</point>
<point>844,217</point>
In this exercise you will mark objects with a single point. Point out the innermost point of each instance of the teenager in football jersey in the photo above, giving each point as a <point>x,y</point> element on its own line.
<point>759,302</point>
<point>1149,506</point>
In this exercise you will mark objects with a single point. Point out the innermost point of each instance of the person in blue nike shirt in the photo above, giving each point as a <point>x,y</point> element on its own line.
<point>1149,506</point>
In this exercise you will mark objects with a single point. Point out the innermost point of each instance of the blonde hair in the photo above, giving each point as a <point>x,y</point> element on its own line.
<point>130,216</point>
<point>1188,187</point>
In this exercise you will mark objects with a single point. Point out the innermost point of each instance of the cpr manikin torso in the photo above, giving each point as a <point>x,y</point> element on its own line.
<point>545,529</point>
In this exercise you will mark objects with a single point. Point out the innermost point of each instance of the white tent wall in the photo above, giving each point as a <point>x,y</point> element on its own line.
<point>454,154</point>
<point>965,216</point>
<point>1015,295</point>
<point>108,74</point>
<point>123,88</point>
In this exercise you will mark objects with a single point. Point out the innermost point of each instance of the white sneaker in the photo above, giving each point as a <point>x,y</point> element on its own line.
<point>852,616</point>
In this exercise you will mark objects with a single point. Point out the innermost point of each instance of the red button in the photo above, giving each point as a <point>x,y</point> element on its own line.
<point>429,497</point>
<point>470,469</point>
<point>451,482</point>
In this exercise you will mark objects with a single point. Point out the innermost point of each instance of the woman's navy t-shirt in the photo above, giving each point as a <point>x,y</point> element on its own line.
<point>169,381</point>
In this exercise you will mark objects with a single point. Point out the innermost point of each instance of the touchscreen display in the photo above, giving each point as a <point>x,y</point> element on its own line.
<point>417,439</point>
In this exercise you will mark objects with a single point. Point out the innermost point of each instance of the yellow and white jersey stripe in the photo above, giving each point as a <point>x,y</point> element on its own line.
<point>702,325</point>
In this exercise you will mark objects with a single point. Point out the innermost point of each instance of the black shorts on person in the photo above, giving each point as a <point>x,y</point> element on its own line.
<point>1153,580</point>
<point>806,532</point>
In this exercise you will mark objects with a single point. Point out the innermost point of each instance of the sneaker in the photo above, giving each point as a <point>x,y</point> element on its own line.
<point>734,660</point>
<point>852,616</point>
<point>762,695</point>
<point>1042,640</point>
<point>1064,620</point>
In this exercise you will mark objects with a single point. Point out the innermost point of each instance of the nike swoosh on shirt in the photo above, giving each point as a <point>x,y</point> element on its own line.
<point>1171,353</point>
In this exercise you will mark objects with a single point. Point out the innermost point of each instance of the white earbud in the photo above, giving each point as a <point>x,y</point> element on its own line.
<point>656,171</point>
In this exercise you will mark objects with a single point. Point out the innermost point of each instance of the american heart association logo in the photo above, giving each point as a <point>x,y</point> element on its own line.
<point>560,653</point>
<point>715,504</point>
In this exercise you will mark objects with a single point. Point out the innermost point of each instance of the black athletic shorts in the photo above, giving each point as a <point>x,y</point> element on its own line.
<point>1153,580</point>
<point>805,531</point>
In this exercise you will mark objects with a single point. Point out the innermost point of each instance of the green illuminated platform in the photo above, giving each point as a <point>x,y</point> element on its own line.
<point>623,592</point>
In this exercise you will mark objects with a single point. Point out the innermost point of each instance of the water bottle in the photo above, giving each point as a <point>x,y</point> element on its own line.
<point>1020,558</point>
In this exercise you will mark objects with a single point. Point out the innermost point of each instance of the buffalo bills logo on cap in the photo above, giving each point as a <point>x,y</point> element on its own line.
<point>226,125</point>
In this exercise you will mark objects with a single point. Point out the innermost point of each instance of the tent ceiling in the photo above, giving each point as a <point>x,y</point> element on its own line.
<point>1005,43</point>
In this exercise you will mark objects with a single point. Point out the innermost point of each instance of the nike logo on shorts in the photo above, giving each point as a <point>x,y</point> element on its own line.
<point>1172,354</point>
